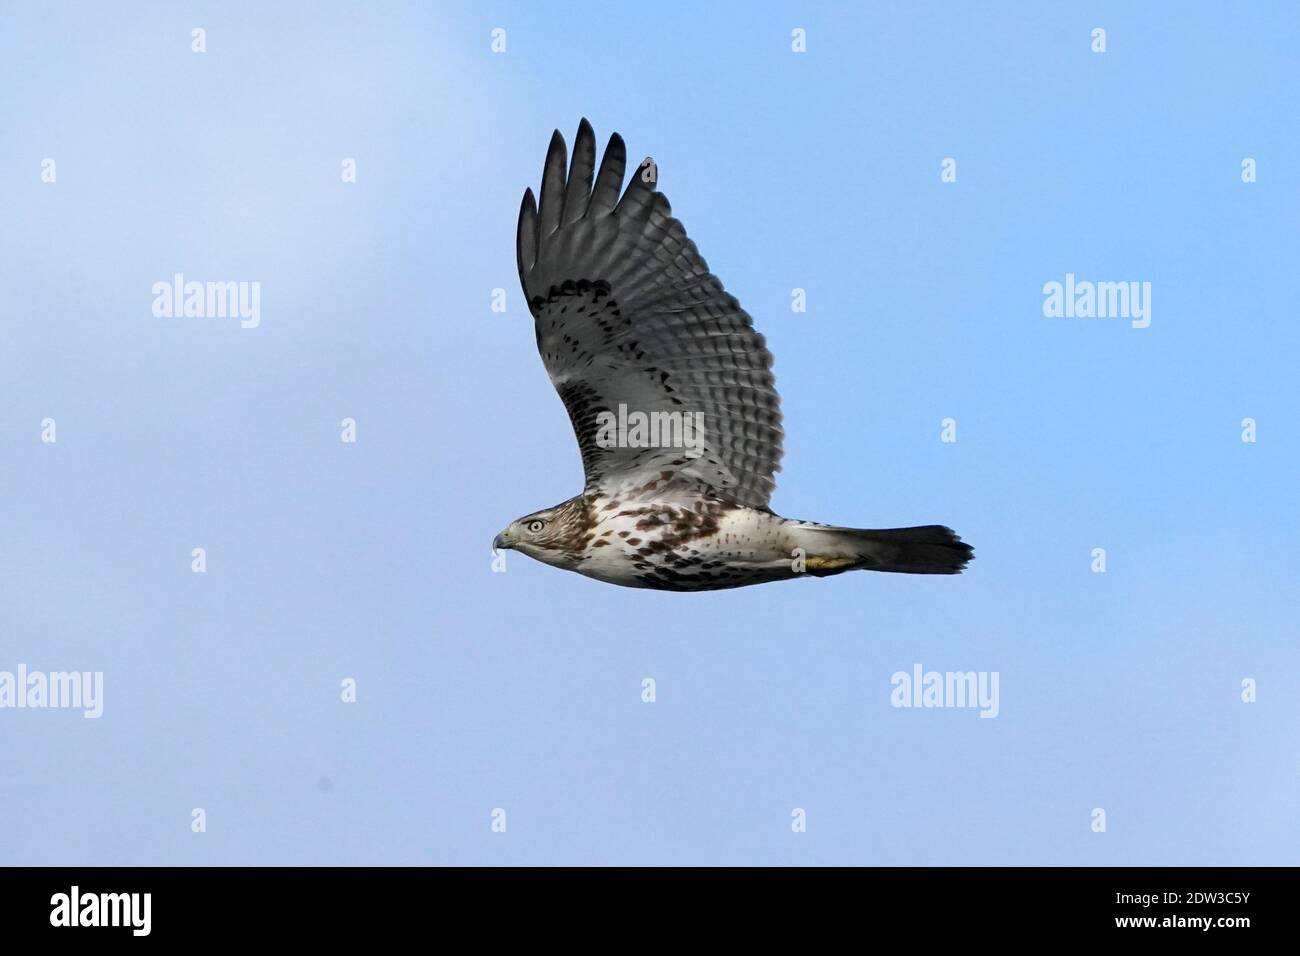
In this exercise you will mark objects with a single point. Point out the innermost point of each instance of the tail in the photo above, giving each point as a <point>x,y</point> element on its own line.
<point>932,549</point>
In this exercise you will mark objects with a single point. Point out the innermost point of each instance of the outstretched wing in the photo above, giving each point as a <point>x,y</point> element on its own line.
<point>630,322</point>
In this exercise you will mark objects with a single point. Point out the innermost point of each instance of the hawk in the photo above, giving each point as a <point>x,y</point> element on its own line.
<point>671,396</point>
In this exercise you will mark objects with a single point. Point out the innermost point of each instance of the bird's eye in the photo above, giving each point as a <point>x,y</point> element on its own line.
<point>535,525</point>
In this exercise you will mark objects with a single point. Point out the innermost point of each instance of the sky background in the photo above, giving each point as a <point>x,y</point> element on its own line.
<point>522,690</point>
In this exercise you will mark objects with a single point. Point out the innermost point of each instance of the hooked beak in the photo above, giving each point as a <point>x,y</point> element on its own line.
<point>501,541</point>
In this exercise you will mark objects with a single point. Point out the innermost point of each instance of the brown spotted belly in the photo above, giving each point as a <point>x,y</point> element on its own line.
<point>703,546</point>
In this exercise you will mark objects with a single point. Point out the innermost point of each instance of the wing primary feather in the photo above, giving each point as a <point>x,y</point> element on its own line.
<point>526,240</point>
<point>578,191</point>
<point>551,203</point>
<point>609,181</point>
<point>638,200</point>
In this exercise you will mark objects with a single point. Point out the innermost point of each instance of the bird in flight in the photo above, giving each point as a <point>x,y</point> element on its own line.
<point>671,396</point>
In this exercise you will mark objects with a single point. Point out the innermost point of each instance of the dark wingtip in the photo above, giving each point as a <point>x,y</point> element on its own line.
<point>608,183</point>
<point>551,200</point>
<point>526,234</point>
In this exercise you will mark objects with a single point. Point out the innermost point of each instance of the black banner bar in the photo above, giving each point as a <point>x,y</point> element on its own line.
<point>333,905</point>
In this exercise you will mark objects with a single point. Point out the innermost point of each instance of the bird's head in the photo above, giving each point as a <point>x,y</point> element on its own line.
<point>549,535</point>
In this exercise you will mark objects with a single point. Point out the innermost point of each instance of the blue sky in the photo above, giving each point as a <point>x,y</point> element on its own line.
<point>478,690</point>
